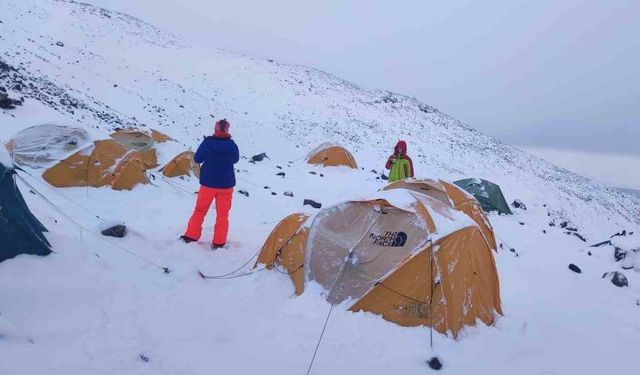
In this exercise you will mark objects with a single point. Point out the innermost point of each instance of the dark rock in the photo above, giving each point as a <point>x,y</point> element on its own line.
<point>312,203</point>
<point>574,268</point>
<point>552,223</point>
<point>589,253</point>
<point>619,254</point>
<point>313,173</point>
<point>544,231</point>
<point>279,167</point>
<point>617,278</point>
<point>521,223</point>
<point>434,363</point>
<point>374,171</point>
<point>321,175</point>
<point>563,224</point>
<point>288,193</point>
<point>266,187</point>
<point>384,177</point>
<point>118,231</point>
<point>259,157</point>
<point>59,44</point>
<point>281,174</point>
<point>621,234</point>
<point>274,193</point>
<point>518,204</point>
<point>576,234</point>
<point>244,192</point>
<point>115,85</point>
<point>143,358</point>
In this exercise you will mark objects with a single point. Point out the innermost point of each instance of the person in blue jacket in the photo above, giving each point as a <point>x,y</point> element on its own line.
<point>216,155</point>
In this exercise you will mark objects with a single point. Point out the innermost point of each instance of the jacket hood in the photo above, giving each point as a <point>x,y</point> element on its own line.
<point>401,148</point>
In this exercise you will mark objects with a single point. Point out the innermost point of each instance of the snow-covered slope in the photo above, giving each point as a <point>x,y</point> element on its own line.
<point>115,70</point>
<point>93,308</point>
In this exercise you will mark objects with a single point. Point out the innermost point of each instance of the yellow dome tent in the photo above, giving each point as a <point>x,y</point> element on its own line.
<point>182,165</point>
<point>404,255</point>
<point>331,155</point>
<point>107,163</point>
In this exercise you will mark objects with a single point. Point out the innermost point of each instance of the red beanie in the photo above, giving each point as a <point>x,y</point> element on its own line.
<point>222,129</point>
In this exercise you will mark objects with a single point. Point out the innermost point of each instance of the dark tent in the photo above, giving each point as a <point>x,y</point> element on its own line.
<point>487,193</point>
<point>20,231</point>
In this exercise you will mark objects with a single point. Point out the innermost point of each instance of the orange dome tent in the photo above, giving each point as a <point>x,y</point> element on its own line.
<point>107,163</point>
<point>404,255</point>
<point>331,155</point>
<point>182,165</point>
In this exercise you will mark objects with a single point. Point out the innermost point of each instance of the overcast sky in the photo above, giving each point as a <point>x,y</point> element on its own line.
<point>558,74</point>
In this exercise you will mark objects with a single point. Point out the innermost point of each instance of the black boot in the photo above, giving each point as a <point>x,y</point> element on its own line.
<point>187,239</point>
<point>215,246</point>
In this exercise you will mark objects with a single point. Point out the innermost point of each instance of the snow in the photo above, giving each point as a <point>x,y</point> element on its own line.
<point>94,308</point>
<point>628,243</point>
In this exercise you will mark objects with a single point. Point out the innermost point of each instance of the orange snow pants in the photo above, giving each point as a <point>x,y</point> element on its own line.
<point>206,196</point>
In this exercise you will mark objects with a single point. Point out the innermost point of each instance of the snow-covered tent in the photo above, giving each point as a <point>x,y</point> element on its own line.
<point>20,231</point>
<point>182,165</point>
<point>141,141</point>
<point>106,163</point>
<point>332,155</point>
<point>41,145</point>
<point>487,193</point>
<point>404,255</point>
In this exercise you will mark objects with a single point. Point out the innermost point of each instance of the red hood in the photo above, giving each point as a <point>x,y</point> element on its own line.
<point>401,148</point>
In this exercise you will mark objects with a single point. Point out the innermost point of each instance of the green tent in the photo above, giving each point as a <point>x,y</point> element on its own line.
<point>20,231</point>
<point>487,193</point>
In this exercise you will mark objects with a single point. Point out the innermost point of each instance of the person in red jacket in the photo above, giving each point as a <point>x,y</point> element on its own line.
<point>399,164</point>
<point>217,155</point>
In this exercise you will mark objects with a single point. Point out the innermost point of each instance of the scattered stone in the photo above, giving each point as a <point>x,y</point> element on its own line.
<point>544,231</point>
<point>274,193</point>
<point>374,171</point>
<point>244,192</point>
<point>563,224</point>
<point>59,44</point>
<point>313,173</point>
<point>589,253</point>
<point>552,223</point>
<point>518,204</point>
<point>574,268</point>
<point>279,167</point>
<point>384,177</point>
<point>577,235</point>
<point>288,193</point>
<point>281,174</point>
<point>118,231</point>
<point>312,203</point>
<point>619,254</point>
<point>521,223</point>
<point>143,358</point>
<point>435,363</point>
<point>321,175</point>
<point>621,234</point>
<point>617,278</point>
<point>266,187</point>
<point>115,85</point>
<point>259,157</point>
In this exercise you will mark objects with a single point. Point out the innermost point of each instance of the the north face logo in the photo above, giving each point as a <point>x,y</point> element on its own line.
<point>389,239</point>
